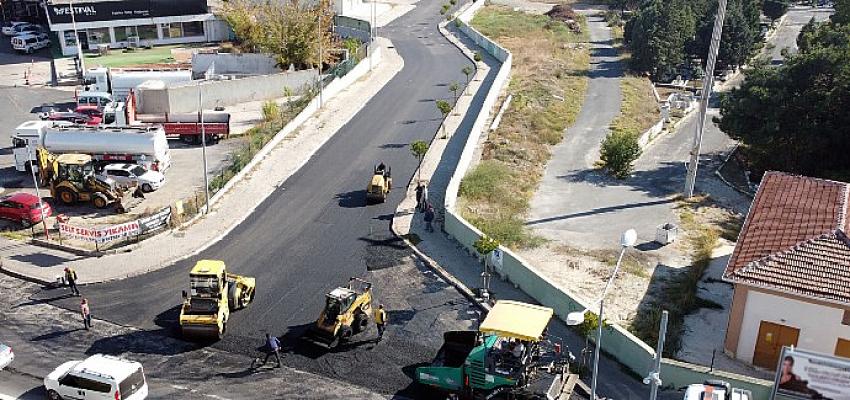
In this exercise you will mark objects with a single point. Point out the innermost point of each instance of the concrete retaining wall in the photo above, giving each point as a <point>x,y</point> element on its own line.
<point>617,341</point>
<point>239,64</point>
<point>184,98</point>
<point>650,134</point>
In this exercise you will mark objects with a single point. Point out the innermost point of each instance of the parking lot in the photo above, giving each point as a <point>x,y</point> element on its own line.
<point>22,103</point>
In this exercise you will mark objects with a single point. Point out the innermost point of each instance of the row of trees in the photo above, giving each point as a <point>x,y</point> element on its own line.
<point>290,30</point>
<point>795,117</point>
<point>666,34</point>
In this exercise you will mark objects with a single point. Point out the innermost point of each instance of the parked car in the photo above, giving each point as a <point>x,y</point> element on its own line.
<point>23,208</point>
<point>25,28</point>
<point>716,390</point>
<point>83,115</point>
<point>9,27</point>
<point>30,42</point>
<point>128,174</point>
<point>6,356</point>
<point>97,377</point>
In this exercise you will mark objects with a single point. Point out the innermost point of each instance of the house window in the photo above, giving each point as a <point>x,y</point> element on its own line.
<point>147,32</point>
<point>99,35</point>
<point>846,319</point>
<point>70,38</point>
<point>195,28</point>
<point>172,30</point>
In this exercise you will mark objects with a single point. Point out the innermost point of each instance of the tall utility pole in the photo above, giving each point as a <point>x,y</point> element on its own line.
<point>38,193</point>
<point>203,149</point>
<point>707,85</point>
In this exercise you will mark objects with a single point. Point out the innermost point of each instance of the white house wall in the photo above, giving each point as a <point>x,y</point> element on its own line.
<point>819,325</point>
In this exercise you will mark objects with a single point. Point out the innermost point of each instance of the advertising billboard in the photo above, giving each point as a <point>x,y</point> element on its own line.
<point>123,9</point>
<point>804,375</point>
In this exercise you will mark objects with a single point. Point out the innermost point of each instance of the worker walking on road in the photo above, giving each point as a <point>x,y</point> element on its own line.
<point>86,312</point>
<point>273,345</point>
<point>71,278</point>
<point>381,321</point>
<point>429,217</point>
<point>419,188</point>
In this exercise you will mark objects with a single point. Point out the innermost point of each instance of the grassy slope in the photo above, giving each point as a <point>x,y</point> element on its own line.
<point>639,110</point>
<point>496,194</point>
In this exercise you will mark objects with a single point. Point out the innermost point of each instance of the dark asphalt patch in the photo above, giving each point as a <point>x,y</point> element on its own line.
<point>385,251</point>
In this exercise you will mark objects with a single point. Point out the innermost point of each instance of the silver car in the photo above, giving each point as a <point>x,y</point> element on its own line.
<point>6,355</point>
<point>129,174</point>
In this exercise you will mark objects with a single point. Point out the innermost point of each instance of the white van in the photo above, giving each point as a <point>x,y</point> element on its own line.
<point>97,377</point>
<point>30,42</point>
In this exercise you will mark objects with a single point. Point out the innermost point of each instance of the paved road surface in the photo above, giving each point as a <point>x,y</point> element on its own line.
<point>21,387</point>
<point>786,36</point>
<point>315,231</point>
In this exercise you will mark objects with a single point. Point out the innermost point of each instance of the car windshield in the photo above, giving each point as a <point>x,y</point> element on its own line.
<point>138,171</point>
<point>34,206</point>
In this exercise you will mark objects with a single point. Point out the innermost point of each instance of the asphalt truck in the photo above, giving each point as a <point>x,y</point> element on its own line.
<point>188,127</point>
<point>510,357</point>
<point>143,145</point>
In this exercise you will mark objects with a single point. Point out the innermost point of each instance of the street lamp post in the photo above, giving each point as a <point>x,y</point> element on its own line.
<point>707,84</point>
<point>77,37</point>
<point>627,239</point>
<point>654,378</point>
<point>203,149</point>
<point>38,194</point>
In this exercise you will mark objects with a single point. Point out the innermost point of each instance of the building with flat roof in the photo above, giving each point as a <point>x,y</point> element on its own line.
<point>130,23</point>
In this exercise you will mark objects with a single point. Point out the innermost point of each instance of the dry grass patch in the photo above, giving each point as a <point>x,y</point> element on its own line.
<point>639,110</point>
<point>548,84</point>
<point>702,224</point>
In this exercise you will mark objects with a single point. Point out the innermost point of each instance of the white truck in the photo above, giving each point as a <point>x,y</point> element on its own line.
<point>120,81</point>
<point>146,145</point>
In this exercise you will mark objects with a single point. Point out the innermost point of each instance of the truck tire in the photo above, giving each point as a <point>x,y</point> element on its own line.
<point>187,139</point>
<point>67,196</point>
<point>52,395</point>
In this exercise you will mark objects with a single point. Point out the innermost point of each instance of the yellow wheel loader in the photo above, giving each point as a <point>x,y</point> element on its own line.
<point>347,312</point>
<point>72,180</point>
<point>380,185</point>
<point>213,294</point>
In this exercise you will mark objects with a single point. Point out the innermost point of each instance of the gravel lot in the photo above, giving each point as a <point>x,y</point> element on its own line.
<point>21,104</point>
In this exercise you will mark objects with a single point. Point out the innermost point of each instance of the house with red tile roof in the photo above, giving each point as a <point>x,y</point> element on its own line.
<point>791,271</point>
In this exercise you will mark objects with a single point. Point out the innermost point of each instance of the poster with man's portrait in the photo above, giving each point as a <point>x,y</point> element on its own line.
<point>803,375</point>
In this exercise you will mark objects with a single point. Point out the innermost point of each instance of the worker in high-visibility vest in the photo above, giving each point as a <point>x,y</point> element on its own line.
<point>380,321</point>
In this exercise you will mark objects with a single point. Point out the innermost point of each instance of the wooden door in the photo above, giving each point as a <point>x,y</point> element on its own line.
<point>772,337</point>
<point>842,348</point>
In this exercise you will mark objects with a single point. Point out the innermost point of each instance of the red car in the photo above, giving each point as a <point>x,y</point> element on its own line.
<point>23,208</point>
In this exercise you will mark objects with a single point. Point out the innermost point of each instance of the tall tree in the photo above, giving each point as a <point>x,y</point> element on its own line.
<point>657,36</point>
<point>775,9</point>
<point>842,12</point>
<point>794,117</point>
<point>740,33</point>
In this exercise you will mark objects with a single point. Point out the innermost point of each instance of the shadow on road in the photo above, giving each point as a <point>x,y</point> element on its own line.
<point>352,199</point>
<point>156,341</point>
<point>414,390</point>
<point>41,260</point>
<point>54,335</point>
<point>600,210</point>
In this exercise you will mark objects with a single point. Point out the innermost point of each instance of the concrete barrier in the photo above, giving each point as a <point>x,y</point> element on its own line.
<point>183,98</point>
<point>236,64</point>
<point>618,342</point>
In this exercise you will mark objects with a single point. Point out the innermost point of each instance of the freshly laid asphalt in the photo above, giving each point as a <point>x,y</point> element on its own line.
<point>315,231</point>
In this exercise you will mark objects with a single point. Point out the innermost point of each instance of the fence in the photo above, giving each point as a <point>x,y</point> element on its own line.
<point>619,343</point>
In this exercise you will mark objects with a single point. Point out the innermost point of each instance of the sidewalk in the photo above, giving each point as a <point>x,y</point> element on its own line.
<point>42,265</point>
<point>464,270</point>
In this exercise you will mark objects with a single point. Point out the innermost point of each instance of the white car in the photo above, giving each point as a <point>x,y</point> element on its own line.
<point>30,42</point>
<point>128,174</point>
<point>9,27</point>
<point>716,390</point>
<point>97,377</point>
<point>6,355</point>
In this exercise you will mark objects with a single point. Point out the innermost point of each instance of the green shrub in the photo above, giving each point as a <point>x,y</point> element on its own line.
<point>619,150</point>
<point>271,111</point>
<point>477,56</point>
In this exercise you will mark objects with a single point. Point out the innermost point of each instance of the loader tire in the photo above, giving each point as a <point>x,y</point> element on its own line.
<point>99,201</point>
<point>345,334</point>
<point>67,196</point>
<point>361,323</point>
